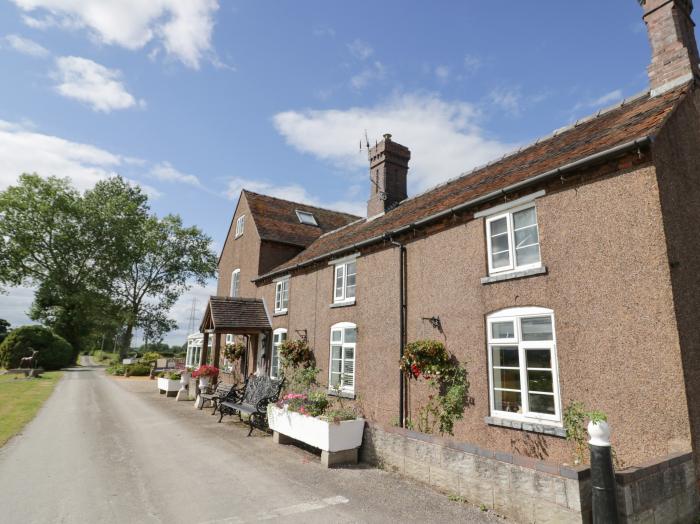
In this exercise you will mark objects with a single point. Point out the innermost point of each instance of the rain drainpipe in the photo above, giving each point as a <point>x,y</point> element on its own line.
<point>402,325</point>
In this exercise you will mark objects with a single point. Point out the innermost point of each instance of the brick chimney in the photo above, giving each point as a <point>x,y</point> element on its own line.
<point>674,50</point>
<point>388,171</point>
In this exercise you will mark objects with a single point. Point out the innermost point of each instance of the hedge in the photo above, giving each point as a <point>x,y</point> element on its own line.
<point>54,351</point>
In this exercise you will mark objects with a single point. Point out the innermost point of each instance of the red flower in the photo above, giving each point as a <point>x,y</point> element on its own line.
<point>415,370</point>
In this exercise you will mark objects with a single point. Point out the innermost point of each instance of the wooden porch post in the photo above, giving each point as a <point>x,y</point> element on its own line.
<point>217,348</point>
<point>205,349</point>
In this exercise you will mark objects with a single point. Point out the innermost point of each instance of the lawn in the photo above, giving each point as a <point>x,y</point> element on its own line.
<point>20,400</point>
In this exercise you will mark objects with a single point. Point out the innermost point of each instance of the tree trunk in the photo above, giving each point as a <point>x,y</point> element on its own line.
<point>124,348</point>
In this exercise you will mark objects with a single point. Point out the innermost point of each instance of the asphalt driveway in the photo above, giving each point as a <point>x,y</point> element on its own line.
<point>105,450</point>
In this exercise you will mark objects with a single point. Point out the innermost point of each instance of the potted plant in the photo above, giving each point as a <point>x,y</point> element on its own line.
<point>205,374</point>
<point>169,382</point>
<point>234,351</point>
<point>313,419</point>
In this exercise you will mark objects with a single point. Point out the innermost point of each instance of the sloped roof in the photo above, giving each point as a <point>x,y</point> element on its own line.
<point>277,221</point>
<point>637,118</point>
<point>235,314</point>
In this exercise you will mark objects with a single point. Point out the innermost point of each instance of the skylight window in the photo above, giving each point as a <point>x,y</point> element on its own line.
<point>306,218</point>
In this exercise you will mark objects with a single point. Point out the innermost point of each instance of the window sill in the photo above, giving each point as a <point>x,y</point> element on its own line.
<point>341,394</point>
<point>532,427</point>
<point>279,313</point>
<point>343,304</point>
<point>512,275</point>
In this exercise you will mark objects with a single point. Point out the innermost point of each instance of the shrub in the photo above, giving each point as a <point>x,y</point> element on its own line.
<point>296,353</point>
<point>150,357</point>
<point>54,351</point>
<point>115,369</point>
<point>137,370</point>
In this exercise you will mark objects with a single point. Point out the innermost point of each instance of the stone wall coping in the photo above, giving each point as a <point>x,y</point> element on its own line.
<point>652,467</point>
<point>551,468</point>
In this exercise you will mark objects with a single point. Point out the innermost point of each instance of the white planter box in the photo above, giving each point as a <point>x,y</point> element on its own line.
<point>327,436</point>
<point>168,386</point>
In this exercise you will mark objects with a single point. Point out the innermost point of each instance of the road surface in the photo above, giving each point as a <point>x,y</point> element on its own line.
<point>108,450</point>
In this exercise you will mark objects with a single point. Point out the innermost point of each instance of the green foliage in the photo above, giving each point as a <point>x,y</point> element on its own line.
<point>170,375</point>
<point>54,351</point>
<point>137,370</point>
<point>301,380</point>
<point>448,380</point>
<point>235,351</point>
<point>575,417</point>
<point>115,369</point>
<point>296,353</point>
<point>150,357</point>
<point>4,329</point>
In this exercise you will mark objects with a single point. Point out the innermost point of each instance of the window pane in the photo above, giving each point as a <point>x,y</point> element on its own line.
<point>541,403</point>
<point>500,260</point>
<point>540,381</point>
<point>336,366</point>
<point>336,352</point>
<point>499,243</point>
<point>349,353</point>
<point>335,379</point>
<point>506,378</point>
<point>351,268</point>
<point>536,328</point>
<point>350,281</point>
<point>506,356</point>
<point>539,358</point>
<point>350,335</point>
<point>507,401</point>
<point>283,336</point>
<point>336,335</point>
<point>527,255</point>
<point>503,330</point>
<point>350,292</point>
<point>499,226</point>
<point>524,218</point>
<point>526,237</point>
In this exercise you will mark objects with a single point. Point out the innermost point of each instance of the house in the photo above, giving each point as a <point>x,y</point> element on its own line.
<point>566,271</point>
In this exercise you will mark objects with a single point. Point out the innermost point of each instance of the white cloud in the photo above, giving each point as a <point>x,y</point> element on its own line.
<point>375,72</point>
<point>472,64</point>
<point>442,73</point>
<point>360,49</point>
<point>183,28</point>
<point>93,84</point>
<point>26,151</point>
<point>182,313</point>
<point>293,192</point>
<point>507,99</point>
<point>444,136</point>
<point>608,98</point>
<point>15,304</point>
<point>26,46</point>
<point>166,172</point>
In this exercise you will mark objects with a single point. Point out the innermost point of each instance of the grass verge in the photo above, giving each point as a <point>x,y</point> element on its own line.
<point>20,400</point>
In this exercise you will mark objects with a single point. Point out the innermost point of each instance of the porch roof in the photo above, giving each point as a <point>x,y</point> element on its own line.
<point>235,315</point>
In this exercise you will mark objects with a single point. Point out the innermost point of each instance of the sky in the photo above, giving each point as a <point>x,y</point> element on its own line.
<point>196,99</point>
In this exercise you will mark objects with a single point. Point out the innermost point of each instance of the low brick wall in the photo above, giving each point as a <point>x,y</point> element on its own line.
<point>528,490</point>
<point>663,490</point>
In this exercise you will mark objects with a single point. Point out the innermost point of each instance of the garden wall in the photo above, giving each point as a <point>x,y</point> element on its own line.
<point>530,490</point>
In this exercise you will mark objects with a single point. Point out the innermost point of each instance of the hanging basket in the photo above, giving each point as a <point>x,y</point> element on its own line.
<point>235,351</point>
<point>428,358</point>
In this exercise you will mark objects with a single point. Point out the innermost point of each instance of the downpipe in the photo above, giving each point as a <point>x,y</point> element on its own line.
<point>402,327</point>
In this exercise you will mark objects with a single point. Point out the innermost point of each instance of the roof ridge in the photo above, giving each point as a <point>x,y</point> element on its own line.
<point>300,203</point>
<point>539,140</point>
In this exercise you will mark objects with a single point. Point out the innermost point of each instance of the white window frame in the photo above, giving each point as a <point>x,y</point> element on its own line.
<point>282,295</point>
<point>306,217</point>
<point>515,315</point>
<point>510,231</point>
<point>236,283</point>
<point>340,294</point>
<point>240,226</point>
<point>275,355</point>
<point>341,327</point>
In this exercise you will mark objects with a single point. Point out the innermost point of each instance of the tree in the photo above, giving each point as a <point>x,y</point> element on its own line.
<point>54,351</point>
<point>4,329</point>
<point>165,259</point>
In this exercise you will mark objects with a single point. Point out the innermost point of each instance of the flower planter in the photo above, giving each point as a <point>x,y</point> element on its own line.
<point>337,441</point>
<point>167,386</point>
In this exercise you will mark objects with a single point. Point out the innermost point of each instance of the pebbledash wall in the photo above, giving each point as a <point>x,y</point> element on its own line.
<point>529,490</point>
<point>607,281</point>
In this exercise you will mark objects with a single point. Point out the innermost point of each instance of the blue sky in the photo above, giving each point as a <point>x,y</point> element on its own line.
<point>194,100</point>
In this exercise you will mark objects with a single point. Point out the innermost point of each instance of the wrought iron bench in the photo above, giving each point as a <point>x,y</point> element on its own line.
<point>223,391</point>
<point>257,393</point>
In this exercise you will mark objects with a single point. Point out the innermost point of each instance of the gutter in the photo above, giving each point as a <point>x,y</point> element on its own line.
<point>627,146</point>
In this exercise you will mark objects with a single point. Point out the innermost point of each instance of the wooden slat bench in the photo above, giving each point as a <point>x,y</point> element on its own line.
<point>257,393</point>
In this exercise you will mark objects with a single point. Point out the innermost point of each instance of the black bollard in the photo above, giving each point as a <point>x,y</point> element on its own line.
<point>604,496</point>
